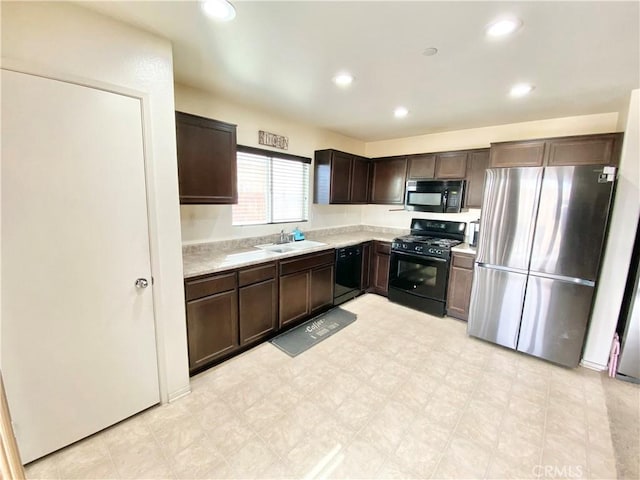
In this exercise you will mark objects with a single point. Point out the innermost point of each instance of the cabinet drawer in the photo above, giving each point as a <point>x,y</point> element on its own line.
<point>256,274</point>
<point>203,287</point>
<point>383,247</point>
<point>307,262</point>
<point>463,261</point>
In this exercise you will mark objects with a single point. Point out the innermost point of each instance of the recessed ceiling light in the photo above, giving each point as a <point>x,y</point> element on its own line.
<point>219,10</point>
<point>400,112</point>
<point>521,89</point>
<point>343,79</point>
<point>503,27</point>
<point>429,52</point>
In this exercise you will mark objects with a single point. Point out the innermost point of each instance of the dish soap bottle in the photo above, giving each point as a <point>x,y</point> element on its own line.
<point>297,235</point>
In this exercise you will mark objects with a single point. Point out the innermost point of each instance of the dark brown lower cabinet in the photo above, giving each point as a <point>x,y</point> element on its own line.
<point>365,275</point>
<point>212,326</point>
<point>321,288</point>
<point>258,304</point>
<point>380,259</point>
<point>294,297</point>
<point>229,312</point>
<point>306,285</point>
<point>460,281</point>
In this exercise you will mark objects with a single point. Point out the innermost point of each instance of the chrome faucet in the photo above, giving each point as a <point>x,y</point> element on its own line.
<point>284,238</point>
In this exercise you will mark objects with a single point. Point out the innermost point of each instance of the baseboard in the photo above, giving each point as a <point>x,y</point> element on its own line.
<point>183,392</point>
<point>592,365</point>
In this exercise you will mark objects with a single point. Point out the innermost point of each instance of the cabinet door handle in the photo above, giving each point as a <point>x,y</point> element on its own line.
<point>142,283</point>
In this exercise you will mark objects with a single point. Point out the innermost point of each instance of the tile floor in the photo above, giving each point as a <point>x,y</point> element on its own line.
<point>397,394</point>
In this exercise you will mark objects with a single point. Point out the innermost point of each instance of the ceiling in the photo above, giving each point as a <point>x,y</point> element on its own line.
<point>582,57</point>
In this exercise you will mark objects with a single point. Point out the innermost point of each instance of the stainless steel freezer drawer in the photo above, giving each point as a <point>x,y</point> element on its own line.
<point>554,319</point>
<point>496,305</point>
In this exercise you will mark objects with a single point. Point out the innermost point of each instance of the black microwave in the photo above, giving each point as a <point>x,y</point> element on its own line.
<point>443,196</point>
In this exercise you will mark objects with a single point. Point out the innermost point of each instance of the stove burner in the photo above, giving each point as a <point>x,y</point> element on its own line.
<point>430,241</point>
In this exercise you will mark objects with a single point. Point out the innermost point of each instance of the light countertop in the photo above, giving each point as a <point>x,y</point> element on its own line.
<point>214,257</point>
<point>464,248</point>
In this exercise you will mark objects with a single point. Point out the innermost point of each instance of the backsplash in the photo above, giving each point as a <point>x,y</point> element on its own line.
<point>204,225</point>
<point>396,217</point>
<point>213,223</point>
<point>240,243</point>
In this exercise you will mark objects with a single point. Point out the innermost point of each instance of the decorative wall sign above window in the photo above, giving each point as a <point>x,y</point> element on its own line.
<point>273,140</point>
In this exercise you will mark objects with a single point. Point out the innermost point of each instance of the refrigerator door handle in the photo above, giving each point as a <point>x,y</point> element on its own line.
<point>500,267</point>
<point>562,278</point>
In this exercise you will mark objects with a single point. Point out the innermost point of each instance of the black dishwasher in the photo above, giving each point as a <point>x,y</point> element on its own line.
<point>348,272</point>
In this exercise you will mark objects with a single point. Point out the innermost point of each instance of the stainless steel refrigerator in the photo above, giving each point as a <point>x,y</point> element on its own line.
<point>542,232</point>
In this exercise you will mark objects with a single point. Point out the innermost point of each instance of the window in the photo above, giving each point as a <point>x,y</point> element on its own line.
<point>273,187</point>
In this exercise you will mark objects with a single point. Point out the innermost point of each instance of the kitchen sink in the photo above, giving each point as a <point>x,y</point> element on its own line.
<point>304,244</point>
<point>290,247</point>
<point>275,248</point>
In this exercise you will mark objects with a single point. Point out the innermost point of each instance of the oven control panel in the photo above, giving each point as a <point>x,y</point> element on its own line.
<point>420,249</point>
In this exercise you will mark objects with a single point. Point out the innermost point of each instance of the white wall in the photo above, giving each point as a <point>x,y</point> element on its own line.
<point>77,43</point>
<point>615,265</point>
<point>205,223</point>
<point>482,137</point>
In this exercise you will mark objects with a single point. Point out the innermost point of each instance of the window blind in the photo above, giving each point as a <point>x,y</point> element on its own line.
<point>270,189</point>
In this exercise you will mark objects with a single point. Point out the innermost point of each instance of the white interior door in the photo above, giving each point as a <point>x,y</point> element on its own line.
<point>78,337</point>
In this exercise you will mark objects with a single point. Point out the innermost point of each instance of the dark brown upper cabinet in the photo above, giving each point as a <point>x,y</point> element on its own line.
<point>584,150</point>
<point>600,149</point>
<point>360,179</point>
<point>444,165</point>
<point>477,164</point>
<point>388,180</point>
<point>421,166</point>
<point>340,177</point>
<point>451,165</point>
<point>206,160</point>
<point>517,154</point>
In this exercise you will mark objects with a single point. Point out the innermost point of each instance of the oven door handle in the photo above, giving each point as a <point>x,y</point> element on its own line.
<point>418,257</point>
<point>436,259</point>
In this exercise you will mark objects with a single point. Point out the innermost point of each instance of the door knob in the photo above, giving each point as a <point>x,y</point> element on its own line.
<point>142,283</point>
